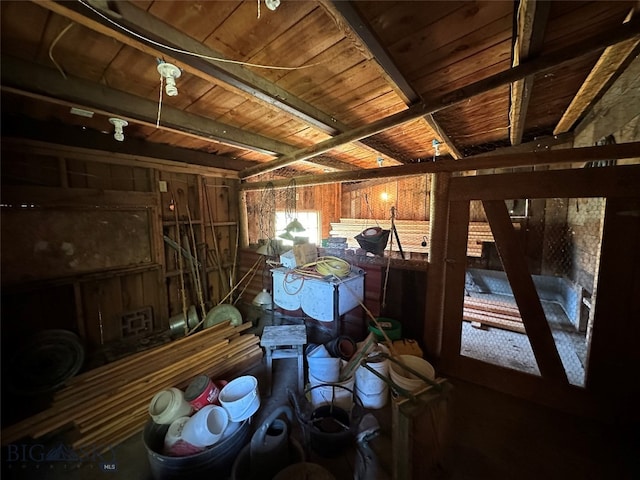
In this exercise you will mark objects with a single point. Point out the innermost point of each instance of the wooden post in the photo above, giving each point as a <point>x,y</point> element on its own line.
<point>438,218</point>
<point>243,220</point>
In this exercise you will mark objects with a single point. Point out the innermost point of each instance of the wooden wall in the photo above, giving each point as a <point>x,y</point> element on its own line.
<point>83,241</point>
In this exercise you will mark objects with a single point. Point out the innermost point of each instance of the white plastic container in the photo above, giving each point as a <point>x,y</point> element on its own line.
<point>371,389</point>
<point>326,394</point>
<point>206,426</point>
<point>240,398</point>
<point>324,369</point>
<point>168,405</point>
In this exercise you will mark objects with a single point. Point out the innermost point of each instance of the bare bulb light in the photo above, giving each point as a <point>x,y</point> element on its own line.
<point>169,72</point>
<point>118,124</point>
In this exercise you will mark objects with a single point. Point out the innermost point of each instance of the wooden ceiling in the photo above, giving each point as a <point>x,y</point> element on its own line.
<point>355,81</point>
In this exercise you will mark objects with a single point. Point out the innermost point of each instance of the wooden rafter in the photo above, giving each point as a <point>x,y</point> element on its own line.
<point>532,21</point>
<point>536,65</point>
<point>355,28</point>
<point>30,79</point>
<point>229,75</point>
<point>610,64</point>
<point>549,157</point>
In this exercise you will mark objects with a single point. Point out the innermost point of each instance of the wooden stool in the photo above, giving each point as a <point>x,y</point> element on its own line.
<point>291,336</point>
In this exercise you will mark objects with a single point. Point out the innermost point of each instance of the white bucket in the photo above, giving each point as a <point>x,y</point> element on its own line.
<point>240,398</point>
<point>324,369</point>
<point>206,426</point>
<point>407,380</point>
<point>327,394</point>
<point>373,401</point>
<point>373,391</point>
<point>168,405</point>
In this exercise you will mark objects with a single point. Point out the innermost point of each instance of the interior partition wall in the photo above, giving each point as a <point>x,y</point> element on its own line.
<point>547,312</point>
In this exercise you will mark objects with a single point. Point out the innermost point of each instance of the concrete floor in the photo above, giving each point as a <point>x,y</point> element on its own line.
<point>493,436</point>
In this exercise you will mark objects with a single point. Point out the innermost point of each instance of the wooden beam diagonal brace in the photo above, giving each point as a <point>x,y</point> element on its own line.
<point>524,292</point>
<point>536,65</point>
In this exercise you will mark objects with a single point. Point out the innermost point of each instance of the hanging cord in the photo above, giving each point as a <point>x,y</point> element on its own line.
<point>289,278</point>
<point>386,275</point>
<point>366,200</point>
<point>53,44</point>
<point>160,101</point>
<point>193,54</point>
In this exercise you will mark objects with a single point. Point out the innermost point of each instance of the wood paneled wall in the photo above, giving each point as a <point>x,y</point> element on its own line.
<point>67,204</point>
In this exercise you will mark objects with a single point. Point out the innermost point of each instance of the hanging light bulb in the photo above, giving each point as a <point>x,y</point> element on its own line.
<point>169,72</point>
<point>286,236</point>
<point>272,4</point>
<point>118,123</point>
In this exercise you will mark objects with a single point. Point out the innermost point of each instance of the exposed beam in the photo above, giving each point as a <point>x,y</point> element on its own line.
<point>60,134</point>
<point>351,23</point>
<point>524,292</point>
<point>549,157</point>
<point>27,78</point>
<point>532,22</point>
<point>610,64</point>
<point>537,145</point>
<point>233,76</point>
<point>536,65</point>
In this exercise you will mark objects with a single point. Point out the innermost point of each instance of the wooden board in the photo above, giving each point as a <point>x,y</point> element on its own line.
<point>42,243</point>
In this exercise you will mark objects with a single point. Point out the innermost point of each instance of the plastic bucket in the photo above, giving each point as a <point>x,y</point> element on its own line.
<point>339,394</point>
<point>372,390</point>
<point>325,369</point>
<point>206,427</point>
<point>240,398</point>
<point>213,462</point>
<point>168,405</point>
<point>407,380</point>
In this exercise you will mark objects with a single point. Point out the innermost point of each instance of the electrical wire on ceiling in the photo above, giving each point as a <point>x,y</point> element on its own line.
<point>193,54</point>
<point>54,43</point>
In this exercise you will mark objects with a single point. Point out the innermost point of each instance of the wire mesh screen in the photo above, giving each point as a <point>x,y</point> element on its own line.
<point>560,239</point>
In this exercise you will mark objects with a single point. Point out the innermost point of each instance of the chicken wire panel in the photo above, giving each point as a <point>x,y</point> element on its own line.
<point>561,240</point>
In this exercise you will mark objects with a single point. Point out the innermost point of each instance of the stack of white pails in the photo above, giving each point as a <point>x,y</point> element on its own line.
<point>324,379</point>
<point>371,389</point>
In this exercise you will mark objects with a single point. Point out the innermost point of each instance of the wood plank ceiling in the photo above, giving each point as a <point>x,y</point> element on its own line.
<point>347,66</point>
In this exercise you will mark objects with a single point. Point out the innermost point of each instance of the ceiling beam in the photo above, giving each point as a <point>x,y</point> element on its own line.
<point>77,137</point>
<point>548,157</point>
<point>533,66</point>
<point>610,65</point>
<point>27,78</point>
<point>351,23</point>
<point>532,22</point>
<point>232,76</point>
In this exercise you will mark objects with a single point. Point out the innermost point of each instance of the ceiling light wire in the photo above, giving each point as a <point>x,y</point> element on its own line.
<point>193,54</point>
<point>160,102</point>
<point>53,44</point>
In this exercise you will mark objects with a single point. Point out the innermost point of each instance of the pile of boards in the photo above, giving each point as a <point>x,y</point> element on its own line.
<point>107,405</point>
<point>493,314</point>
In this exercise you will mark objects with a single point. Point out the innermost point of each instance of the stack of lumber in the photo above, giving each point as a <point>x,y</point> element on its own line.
<point>411,232</point>
<point>107,405</point>
<point>481,312</point>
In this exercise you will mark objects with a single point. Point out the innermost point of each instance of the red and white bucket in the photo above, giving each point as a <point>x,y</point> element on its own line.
<point>203,391</point>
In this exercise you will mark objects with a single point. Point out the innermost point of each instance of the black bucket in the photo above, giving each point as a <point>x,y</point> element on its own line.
<point>341,347</point>
<point>216,461</point>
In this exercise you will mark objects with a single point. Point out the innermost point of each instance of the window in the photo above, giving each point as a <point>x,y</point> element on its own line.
<point>310,220</point>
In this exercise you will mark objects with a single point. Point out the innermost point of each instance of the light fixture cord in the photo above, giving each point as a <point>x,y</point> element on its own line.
<point>160,101</point>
